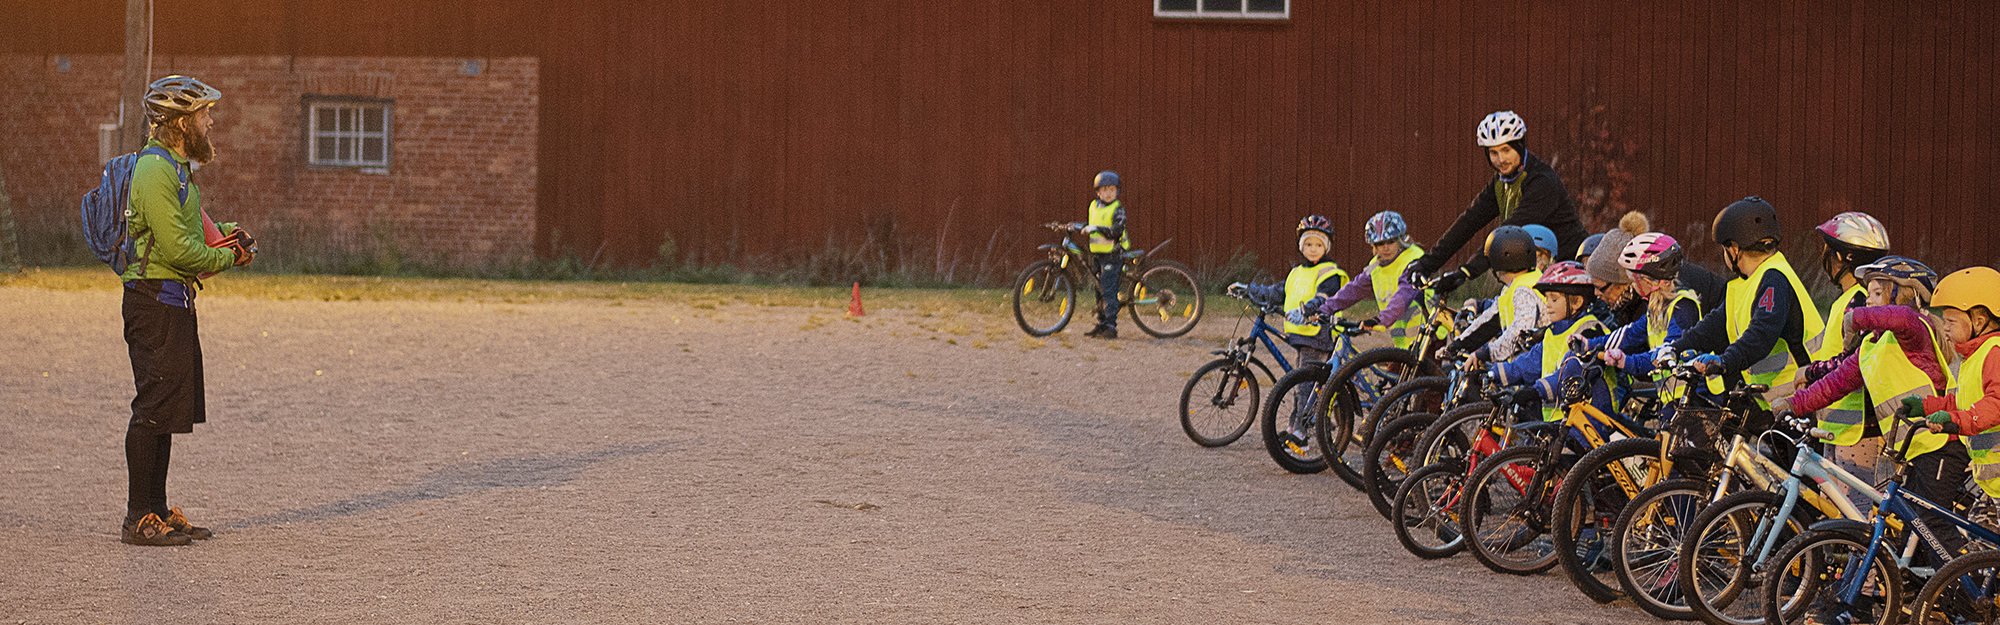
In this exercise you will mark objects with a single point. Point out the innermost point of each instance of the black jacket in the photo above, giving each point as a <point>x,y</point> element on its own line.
<point>1544,200</point>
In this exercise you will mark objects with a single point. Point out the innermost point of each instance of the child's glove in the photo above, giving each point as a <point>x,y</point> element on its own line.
<point>1709,364</point>
<point>1819,369</point>
<point>1315,303</point>
<point>1913,407</point>
<point>1297,316</point>
<point>1370,324</point>
<point>1939,417</point>
<point>1235,289</point>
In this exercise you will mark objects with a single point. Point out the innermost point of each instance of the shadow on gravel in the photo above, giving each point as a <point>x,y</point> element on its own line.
<point>530,471</point>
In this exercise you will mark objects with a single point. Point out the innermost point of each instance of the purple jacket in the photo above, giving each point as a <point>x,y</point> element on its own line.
<point>1911,332</point>
<point>1363,287</point>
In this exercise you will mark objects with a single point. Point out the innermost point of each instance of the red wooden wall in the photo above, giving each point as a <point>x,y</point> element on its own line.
<point>770,127</point>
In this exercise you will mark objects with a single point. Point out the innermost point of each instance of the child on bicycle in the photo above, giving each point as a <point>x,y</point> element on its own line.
<point>1767,316</point>
<point>1496,333</point>
<point>1567,296</point>
<point>1108,242</point>
<point>1387,278</point>
<point>1315,275</point>
<point>1968,298</point>
<point>1899,360</point>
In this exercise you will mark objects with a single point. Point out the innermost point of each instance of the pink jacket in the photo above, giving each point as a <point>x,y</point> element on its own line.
<point>1911,332</point>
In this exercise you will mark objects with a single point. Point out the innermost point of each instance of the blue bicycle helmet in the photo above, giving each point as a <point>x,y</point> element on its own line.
<point>1544,237</point>
<point>1106,178</point>
<point>1384,227</point>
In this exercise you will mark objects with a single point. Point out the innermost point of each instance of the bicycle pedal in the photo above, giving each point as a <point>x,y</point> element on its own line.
<point>1295,448</point>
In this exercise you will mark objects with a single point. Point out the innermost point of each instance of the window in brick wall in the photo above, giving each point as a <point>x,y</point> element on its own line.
<point>1251,9</point>
<point>346,131</point>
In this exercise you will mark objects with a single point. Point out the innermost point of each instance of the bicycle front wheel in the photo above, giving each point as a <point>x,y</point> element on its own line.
<point>1505,511</point>
<point>1289,420</point>
<point>1805,580</point>
<point>1166,302</point>
<point>1718,569</point>
<point>1391,457</point>
<point>1044,298</point>
<point>1962,592</point>
<point>1425,516</point>
<point>1219,403</point>
<point>1645,545</point>
<point>1364,382</point>
<point>1588,503</point>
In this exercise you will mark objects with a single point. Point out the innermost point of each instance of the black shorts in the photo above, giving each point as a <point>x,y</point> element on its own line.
<point>166,362</point>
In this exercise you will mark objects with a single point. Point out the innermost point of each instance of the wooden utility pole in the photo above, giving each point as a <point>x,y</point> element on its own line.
<point>131,94</point>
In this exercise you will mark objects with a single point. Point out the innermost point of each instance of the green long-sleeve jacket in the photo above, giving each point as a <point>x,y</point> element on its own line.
<point>170,242</point>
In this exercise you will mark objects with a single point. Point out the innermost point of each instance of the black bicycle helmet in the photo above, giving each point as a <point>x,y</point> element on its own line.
<point>1751,223</point>
<point>1510,249</point>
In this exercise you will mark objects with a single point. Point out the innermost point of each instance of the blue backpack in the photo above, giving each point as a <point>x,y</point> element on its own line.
<point>107,210</point>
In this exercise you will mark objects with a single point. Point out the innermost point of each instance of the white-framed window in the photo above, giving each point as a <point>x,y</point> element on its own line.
<point>1247,9</point>
<point>349,131</point>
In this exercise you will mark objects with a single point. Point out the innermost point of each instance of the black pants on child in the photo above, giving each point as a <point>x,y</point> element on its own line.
<point>1937,476</point>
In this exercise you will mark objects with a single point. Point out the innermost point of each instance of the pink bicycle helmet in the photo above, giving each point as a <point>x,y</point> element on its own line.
<point>1652,254</point>
<point>1566,277</point>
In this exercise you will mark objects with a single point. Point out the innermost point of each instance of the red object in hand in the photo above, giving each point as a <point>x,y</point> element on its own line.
<point>213,237</point>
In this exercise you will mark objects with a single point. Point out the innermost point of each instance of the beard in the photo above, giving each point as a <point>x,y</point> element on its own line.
<point>196,145</point>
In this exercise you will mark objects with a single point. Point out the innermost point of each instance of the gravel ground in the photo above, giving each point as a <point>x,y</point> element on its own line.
<point>635,462</point>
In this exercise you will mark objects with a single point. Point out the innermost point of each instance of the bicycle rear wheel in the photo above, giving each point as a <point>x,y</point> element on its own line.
<point>1044,298</point>
<point>1166,302</point>
<point>1219,402</point>
<point>1454,434</point>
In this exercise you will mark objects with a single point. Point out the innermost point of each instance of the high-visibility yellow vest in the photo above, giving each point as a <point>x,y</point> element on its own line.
<point>1670,388</point>
<point>1505,301</point>
<point>1969,387</point>
<point>1890,377</point>
<point>1302,285</point>
<point>1385,279</point>
<point>1101,215</point>
<point>1777,369</point>
<point>1555,346</point>
<point>1845,416</point>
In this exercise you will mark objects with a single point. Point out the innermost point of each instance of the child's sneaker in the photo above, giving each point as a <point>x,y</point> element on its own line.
<point>150,531</point>
<point>180,523</point>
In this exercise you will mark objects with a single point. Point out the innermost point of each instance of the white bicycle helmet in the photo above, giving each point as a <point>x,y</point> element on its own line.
<point>1501,128</point>
<point>178,95</point>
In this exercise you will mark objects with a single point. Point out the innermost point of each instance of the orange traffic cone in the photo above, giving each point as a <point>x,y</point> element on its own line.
<point>854,305</point>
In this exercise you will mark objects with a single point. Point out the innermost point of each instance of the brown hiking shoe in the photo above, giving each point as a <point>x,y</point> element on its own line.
<point>152,532</point>
<point>180,523</point>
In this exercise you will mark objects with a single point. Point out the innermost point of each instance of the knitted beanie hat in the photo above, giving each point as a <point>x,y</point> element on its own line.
<point>1603,265</point>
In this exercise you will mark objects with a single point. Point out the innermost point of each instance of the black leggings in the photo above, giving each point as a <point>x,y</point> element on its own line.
<point>1937,476</point>
<point>146,456</point>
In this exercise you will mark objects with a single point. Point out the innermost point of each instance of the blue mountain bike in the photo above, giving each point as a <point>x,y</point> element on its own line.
<point>1221,399</point>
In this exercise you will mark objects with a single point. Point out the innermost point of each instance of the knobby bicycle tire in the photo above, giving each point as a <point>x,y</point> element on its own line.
<point>1588,502</point>
<point>1042,282</point>
<point>1205,412</point>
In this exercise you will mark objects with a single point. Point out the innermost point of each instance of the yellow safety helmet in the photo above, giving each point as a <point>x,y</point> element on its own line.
<point>1969,287</point>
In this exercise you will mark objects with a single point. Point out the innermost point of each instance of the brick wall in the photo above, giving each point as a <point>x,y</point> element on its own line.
<point>461,186</point>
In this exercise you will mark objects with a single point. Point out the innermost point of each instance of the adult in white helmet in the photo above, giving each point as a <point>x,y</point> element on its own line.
<point>1524,191</point>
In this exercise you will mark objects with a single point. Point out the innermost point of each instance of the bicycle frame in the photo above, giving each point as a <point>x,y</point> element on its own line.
<point>1897,503</point>
<point>1829,499</point>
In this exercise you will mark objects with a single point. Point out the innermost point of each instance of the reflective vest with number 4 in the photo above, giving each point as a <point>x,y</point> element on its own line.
<point>1779,368</point>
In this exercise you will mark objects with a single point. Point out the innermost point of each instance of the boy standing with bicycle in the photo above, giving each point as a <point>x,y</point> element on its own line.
<point>1108,243</point>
